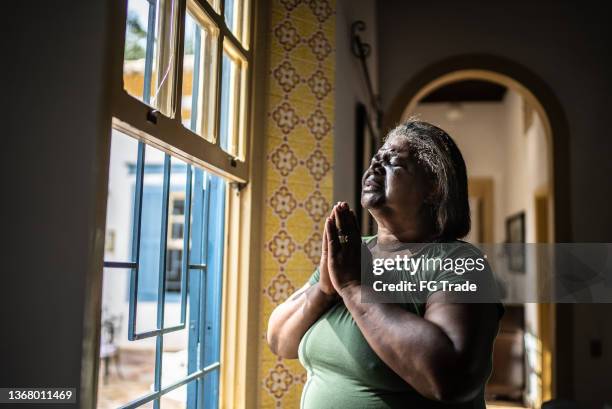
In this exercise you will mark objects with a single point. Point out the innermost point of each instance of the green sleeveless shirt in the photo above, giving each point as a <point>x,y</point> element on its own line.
<point>345,373</point>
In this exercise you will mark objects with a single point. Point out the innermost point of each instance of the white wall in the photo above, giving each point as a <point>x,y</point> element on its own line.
<point>480,134</point>
<point>492,140</point>
<point>350,88</point>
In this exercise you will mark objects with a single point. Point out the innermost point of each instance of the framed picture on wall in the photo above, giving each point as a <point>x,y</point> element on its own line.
<point>515,235</point>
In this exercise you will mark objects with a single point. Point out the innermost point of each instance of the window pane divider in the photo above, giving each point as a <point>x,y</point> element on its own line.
<point>204,283</point>
<point>159,331</point>
<point>219,20</point>
<point>177,93</point>
<point>186,249</point>
<point>135,118</point>
<point>218,84</point>
<point>158,394</point>
<point>136,226</point>
<point>197,266</point>
<point>161,290</point>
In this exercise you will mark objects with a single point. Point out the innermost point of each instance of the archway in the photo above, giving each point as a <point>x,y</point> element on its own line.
<point>555,376</point>
<point>514,76</point>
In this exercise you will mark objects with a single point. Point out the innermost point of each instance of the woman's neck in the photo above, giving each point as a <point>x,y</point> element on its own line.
<point>402,228</point>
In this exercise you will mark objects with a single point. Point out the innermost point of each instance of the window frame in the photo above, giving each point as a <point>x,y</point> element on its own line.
<point>167,132</point>
<point>243,208</point>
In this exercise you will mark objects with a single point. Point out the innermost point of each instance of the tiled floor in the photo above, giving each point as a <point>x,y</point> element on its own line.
<point>132,378</point>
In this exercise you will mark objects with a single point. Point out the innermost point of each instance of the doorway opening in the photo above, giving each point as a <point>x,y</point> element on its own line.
<point>506,139</point>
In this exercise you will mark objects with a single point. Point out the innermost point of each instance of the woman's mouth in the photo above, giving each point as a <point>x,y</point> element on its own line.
<point>371,185</point>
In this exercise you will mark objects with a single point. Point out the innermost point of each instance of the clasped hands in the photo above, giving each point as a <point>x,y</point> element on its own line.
<point>339,268</point>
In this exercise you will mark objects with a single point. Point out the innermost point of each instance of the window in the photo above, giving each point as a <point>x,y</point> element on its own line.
<point>148,69</point>
<point>179,102</point>
<point>199,73</point>
<point>233,99</point>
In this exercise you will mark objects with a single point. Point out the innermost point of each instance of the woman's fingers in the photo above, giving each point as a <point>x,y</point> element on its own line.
<point>346,220</point>
<point>332,237</point>
<point>336,216</point>
<point>342,220</point>
<point>324,247</point>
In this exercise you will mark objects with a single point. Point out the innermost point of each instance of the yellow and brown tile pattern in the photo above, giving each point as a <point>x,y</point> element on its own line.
<point>298,172</point>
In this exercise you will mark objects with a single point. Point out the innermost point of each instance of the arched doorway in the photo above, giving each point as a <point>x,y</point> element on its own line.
<point>517,77</point>
<point>550,201</point>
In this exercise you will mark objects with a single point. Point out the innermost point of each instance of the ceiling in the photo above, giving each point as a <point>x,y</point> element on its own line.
<point>467,91</point>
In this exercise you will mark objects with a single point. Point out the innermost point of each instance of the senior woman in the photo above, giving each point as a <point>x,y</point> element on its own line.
<point>434,354</point>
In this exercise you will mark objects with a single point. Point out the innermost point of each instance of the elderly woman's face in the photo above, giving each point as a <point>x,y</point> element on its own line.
<point>392,181</point>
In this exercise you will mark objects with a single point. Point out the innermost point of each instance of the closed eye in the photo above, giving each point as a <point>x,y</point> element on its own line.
<point>396,162</point>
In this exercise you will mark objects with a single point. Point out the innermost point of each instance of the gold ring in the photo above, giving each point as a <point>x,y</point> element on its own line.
<point>343,238</point>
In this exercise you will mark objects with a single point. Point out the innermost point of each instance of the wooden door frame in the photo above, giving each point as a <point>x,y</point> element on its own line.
<point>482,189</point>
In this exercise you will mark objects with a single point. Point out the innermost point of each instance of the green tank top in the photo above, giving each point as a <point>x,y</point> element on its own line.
<point>345,373</point>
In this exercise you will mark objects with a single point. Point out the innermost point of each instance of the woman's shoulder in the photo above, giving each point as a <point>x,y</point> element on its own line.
<point>457,248</point>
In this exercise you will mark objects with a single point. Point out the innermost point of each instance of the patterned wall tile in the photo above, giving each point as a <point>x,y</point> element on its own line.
<point>299,173</point>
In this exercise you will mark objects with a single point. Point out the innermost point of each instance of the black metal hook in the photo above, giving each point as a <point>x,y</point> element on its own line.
<point>359,48</point>
<point>362,51</point>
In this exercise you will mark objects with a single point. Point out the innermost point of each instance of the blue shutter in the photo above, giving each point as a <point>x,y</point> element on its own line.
<point>148,276</point>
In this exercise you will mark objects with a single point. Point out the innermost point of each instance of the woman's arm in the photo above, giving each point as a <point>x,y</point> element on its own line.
<point>291,319</point>
<point>446,355</point>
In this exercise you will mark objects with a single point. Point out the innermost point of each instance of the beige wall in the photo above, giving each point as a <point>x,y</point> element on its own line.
<point>494,144</point>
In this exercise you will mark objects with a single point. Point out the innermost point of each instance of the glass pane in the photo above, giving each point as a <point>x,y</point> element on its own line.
<point>150,240</point>
<point>178,207</point>
<point>199,74</point>
<point>173,275</point>
<point>232,103</point>
<point>127,368</point>
<point>175,242</point>
<point>236,18</point>
<point>119,208</point>
<point>230,14</point>
<point>176,232</point>
<point>175,357</point>
<point>148,57</point>
<point>177,399</point>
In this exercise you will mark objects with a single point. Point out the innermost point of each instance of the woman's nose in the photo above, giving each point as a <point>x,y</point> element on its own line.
<point>376,166</point>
